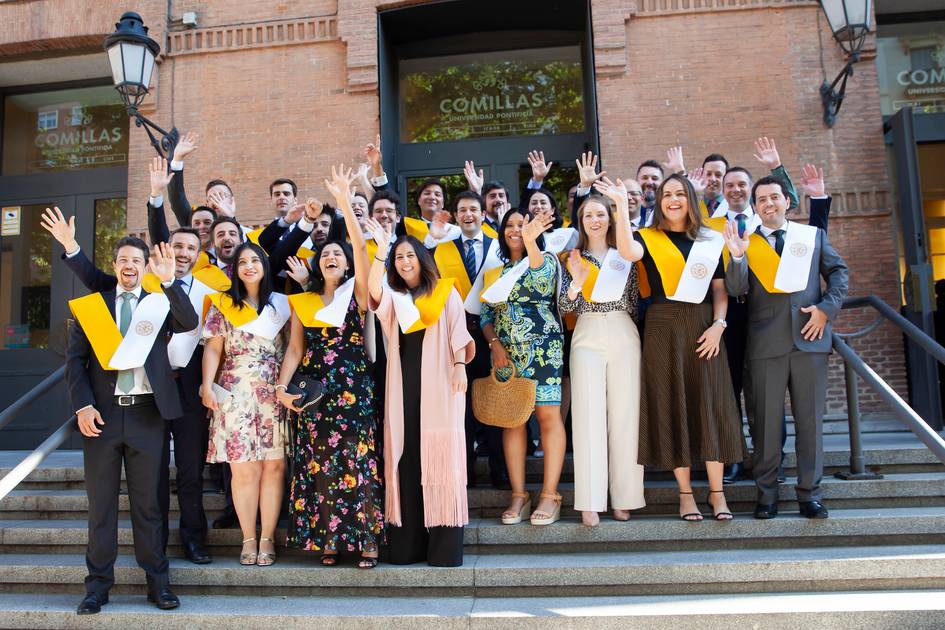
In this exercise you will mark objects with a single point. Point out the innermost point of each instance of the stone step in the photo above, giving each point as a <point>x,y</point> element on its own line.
<point>914,609</point>
<point>626,573</point>
<point>845,527</point>
<point>895,490</point>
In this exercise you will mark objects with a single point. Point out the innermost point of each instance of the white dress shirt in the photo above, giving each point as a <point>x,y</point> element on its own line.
<point>768,233</point>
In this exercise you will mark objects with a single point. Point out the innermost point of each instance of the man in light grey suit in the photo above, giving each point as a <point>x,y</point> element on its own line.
<point>789,338</point>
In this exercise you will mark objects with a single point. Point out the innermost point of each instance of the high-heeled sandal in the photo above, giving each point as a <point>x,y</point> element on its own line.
<point>718,515</point>
<point>555,514</point>
<point>368,562</point>
<point>329,559</point>
<point>248,558</point>
<point>265,558</point>
<point>686,517</point>
<point>513,518</point>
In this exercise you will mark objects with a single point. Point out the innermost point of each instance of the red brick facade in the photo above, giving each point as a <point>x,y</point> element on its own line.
<point>290,87</point>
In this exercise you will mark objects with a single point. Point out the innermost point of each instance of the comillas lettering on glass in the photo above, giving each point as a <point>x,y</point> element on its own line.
<point>526,92</point>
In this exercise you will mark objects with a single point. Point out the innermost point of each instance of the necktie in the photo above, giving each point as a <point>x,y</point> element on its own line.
<point>778,241</point>
<point>469,259</point>
<point>740,220</point>
<point>711,205</point>
<point>126,378</point>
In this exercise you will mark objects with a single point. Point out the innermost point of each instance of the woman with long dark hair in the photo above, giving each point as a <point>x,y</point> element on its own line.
<point>687,412</point>
<point>243,328</point>
<point>423,320</point>
<point>523,330</point>
<point>335,501</point>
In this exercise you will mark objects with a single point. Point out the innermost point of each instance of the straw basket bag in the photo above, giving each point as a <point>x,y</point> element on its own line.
<point>505,404</point>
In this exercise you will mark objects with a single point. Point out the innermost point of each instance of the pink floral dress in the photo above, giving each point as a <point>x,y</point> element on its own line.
<point>246,427</point>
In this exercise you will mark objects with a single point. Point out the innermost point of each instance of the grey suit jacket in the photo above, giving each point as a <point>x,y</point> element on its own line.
<point>775,320</point>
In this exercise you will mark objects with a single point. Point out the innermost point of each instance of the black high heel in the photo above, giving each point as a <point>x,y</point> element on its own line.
<point>718,515</point>
<point>686,518</point>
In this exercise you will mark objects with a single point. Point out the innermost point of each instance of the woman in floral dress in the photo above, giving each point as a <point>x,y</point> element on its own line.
<point>523,330</point>
<point>335,494</point>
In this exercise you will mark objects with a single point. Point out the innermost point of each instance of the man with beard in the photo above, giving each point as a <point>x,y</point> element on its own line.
<point>121,411</point>
<point>227,235</point>
<point>650,176</point>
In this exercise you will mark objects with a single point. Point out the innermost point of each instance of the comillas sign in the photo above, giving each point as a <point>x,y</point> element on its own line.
<point>908,78</point>
<point>522,92</point>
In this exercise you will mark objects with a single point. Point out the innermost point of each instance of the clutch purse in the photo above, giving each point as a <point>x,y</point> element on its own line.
<point>309,389</point>
<point>505,404</point>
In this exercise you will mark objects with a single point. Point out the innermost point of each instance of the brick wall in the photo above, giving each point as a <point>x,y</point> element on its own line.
<point>297,91</point>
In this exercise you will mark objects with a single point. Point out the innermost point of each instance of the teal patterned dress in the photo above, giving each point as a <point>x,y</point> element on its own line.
<point>528,326</point>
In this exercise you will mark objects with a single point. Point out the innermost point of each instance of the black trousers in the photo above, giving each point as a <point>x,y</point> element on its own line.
<point>135,436</point>
<point>190,433</point>
<point>487,436</point>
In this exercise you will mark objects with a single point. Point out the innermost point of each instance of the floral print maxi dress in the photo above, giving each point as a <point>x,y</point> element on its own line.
<point>246,426</point>
<point>336,496</point>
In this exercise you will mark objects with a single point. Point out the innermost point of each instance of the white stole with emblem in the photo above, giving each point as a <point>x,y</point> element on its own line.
<point>796,257</point>
<point>181,347</point>
<point>501,288</point>
<point>612,278</point>
<point>146,322</point>
<point>556,241</point>
<point>700,267</point>
<point>273,317</point>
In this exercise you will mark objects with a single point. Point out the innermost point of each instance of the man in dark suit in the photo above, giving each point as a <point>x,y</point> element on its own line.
<point>473,248</point>
<point>121,413</point>
<point>789,338</point>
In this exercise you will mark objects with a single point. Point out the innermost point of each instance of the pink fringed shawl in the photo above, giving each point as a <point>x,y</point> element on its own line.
<point>442,416</point>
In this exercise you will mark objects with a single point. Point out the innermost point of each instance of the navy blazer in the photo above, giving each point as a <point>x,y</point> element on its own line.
<point>90,384</point>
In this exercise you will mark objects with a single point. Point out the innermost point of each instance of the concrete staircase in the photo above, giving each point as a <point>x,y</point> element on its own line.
<point>878,562</point>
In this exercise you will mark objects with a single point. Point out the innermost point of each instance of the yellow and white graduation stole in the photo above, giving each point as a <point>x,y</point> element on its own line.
<point>449,262</point>
<point>498,286</point>
<point>414,315</point>
<point>611,280</point>
<point>489,231</point>
<point>789,272</point>
<point>685,280</point>
<point>209,274</point>
<point>312,311</point>
<point>113,351</point>
<point>303,253</point>
<point>556,241</point>
<point>416,228</point>
<point>266,324</point>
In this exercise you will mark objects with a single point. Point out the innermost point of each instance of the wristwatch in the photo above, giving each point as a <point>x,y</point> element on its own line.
<point>721,322</point>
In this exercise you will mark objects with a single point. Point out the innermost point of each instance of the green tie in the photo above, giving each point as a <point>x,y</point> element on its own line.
<point>126,378</point>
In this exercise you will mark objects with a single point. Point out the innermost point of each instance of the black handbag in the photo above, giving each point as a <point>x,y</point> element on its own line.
<point>309,388</point>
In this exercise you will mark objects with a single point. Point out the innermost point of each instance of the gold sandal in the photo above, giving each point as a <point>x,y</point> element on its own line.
<point>265,558</point>
<point>513,518</point>
<point>554,516</point>
<point>248,558</point>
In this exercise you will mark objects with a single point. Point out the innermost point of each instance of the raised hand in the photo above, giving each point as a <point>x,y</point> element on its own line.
<point>186,145</point>
<point>536,159</point>
<point>340,184</point>
<point>294,214</point>
<point>532,229</point>
<point>160,178</point>
<point>737,245</point>
<point>674,160</point>
<point>161,263</point>
<point>475,181</point>
<point>374,156</point>
<point>297,270</point>
<point>812,181</point>
<point>577,269</point>
<point>616,192</point>
<point>222,203</point>
<point>438,227</point>
<point>587,167</point>
<point>63,231</point>
<point>381,234</point>
<point>313,209</point>
<point>767,153</point>
<point>698,179</point>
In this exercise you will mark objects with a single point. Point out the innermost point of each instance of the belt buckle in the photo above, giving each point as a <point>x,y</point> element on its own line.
<point>126,400</point>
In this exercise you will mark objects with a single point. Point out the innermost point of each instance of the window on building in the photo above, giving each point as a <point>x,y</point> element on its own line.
<point>94,132</point>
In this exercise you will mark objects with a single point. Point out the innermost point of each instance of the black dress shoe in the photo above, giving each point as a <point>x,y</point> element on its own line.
<point>164,599</point>
<point>732,474</point>
<point>91,604</point>
<point>197,553</point>
<point>813,509</point>
<point>765,511</point>
<point>225,521</point>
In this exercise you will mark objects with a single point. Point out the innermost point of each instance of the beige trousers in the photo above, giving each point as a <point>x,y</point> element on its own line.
<point>605,412</point>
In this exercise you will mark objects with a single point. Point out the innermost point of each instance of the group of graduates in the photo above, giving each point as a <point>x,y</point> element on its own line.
<point>336,347</point>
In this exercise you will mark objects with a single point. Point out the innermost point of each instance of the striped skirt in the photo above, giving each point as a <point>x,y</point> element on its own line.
<point>687,408</point>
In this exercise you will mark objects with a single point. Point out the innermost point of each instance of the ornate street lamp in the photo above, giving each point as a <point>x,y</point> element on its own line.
<point>131,54</point>
<point>850,22</point>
